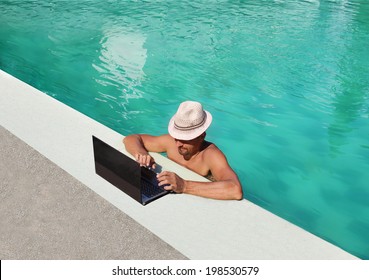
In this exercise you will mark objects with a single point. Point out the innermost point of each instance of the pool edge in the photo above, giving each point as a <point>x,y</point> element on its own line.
<point>198,228</point>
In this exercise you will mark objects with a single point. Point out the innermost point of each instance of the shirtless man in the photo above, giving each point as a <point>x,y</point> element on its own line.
<point>186,145</point>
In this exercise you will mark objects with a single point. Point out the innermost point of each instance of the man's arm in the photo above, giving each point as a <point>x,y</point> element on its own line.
<point>139,146</point>
<point>224,190</point>
<point>226,187</point>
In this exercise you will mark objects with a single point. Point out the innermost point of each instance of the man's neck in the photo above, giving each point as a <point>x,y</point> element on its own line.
<point>201,147</point>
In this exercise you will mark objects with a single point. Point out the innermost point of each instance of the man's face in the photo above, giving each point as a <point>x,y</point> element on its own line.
<point>187,148</point>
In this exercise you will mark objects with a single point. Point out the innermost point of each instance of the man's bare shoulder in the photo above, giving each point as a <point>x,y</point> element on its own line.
<point>212,152</point>
<point>167,139</point>
<point>159,143</point>
<point>153,138</point>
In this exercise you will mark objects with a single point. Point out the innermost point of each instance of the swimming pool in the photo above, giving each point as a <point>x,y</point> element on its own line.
<point>286,82</point>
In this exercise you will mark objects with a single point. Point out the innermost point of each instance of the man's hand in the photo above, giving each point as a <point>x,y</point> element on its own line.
<point>172,180</point>
<point>145,160</point>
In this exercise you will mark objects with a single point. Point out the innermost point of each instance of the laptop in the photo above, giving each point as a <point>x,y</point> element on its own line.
<point>126,174</point>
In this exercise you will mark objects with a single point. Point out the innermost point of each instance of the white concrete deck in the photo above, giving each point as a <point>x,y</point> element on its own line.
<point>198,228</point>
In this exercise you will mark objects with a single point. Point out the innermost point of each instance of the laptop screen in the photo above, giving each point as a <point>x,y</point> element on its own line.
<point>118,163</point>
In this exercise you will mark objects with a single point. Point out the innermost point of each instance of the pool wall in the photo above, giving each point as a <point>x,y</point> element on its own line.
<point>199,228</point>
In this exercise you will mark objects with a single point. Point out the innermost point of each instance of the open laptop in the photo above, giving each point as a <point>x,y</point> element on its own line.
<point>126,174</point>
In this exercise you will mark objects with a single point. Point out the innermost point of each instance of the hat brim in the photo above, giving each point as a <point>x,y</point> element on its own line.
<point>189,134</point>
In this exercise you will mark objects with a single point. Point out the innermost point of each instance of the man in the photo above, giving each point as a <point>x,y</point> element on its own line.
<point>186,145</point>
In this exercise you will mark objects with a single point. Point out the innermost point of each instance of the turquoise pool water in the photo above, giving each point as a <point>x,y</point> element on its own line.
<point>286,81</point>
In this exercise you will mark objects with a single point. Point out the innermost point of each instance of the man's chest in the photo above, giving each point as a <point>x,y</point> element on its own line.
<point>195,164</point>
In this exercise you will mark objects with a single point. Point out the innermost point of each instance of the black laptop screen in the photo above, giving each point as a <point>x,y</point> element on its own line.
<point>116,162</point>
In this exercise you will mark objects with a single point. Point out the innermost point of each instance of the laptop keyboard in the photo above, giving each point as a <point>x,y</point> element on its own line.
<point>150,190</point>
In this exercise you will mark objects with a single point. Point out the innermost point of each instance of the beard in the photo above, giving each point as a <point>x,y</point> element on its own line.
<point>183,152</point>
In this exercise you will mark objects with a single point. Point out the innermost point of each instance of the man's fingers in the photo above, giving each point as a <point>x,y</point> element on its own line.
<point>163,181</point>
<point>163,174</point>
<point>168,188</point>
<point>145,160</point>
<point>171,181</point>
<point>163,178</point>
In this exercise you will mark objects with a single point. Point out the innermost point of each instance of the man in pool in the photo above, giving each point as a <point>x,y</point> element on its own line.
<point>186,145</point>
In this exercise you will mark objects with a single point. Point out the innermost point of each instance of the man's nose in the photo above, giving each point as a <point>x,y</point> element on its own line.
<point>178,143</point>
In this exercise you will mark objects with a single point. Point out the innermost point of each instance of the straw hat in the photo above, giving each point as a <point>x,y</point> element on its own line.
<point>190,121</point>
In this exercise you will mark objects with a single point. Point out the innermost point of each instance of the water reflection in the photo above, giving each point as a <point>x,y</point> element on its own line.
<point>121,61</point>
<point>119,65</point>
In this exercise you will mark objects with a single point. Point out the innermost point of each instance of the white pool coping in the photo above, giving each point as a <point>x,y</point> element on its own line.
<point>197,227</point>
